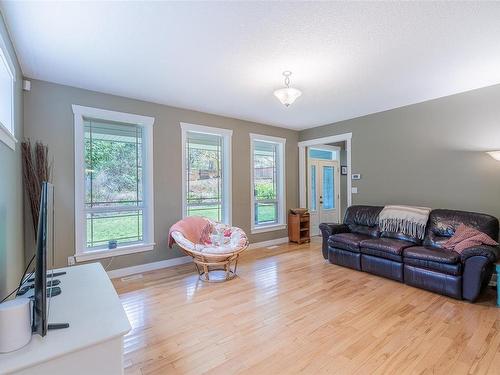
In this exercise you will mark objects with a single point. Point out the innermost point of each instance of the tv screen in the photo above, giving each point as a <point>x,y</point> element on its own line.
<point>44,246</point>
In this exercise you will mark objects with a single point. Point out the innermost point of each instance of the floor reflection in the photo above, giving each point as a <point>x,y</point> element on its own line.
<point>135,309</point>
<point>266,279</point>
<point>193,284</point>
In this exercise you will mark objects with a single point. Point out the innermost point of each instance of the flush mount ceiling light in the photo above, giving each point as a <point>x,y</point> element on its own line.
<point>494,154</point>
<point>287,95</point>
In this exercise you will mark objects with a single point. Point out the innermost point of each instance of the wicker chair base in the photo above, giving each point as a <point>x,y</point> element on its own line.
<point>217,271</point>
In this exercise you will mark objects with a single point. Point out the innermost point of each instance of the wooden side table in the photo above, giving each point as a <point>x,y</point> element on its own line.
<point>299,228</point>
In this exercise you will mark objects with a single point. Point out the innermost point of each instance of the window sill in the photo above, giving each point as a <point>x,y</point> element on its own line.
<point>7,138</point>
<point>106,253</point>
<point>268,228</point>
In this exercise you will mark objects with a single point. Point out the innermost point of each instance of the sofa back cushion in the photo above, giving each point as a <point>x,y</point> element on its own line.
<point>443,223</point>
<point>363,219</point>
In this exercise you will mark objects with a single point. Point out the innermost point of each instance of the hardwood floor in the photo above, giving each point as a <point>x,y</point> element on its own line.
<point>290,311</point>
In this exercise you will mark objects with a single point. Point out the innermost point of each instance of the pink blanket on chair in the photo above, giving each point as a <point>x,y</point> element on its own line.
<point>194,228</point>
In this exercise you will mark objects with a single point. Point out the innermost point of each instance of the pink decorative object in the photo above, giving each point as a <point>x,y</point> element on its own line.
<point>466,237</point>
<point>196,229</point>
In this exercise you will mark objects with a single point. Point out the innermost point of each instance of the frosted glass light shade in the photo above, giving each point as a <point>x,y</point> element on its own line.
<point>494,154</point>
<point>287,95</point>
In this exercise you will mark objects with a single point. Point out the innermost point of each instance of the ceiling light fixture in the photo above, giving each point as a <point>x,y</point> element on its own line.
<point>287,95</point>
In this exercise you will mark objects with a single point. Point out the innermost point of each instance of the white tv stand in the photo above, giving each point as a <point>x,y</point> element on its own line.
<point>93,343</point>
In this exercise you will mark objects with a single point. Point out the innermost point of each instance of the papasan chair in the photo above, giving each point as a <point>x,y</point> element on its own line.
<point>214,247</point>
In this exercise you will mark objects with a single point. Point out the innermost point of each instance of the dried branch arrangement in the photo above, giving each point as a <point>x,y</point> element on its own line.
<point>36,169</point>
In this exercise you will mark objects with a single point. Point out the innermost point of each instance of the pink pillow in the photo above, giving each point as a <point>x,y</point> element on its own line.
<point>466,237</point>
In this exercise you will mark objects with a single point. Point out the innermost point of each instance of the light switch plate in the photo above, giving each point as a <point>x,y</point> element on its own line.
<point>354,190</point>
<point>356,176</point>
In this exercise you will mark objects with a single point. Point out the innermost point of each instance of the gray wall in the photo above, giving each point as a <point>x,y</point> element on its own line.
<point>11,191</point>
<point>49,118</point>
<point>427,154</point>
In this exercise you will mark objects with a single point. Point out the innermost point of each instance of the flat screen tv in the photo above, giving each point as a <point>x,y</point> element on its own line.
<point>44,245</point>
<point>44,290</point>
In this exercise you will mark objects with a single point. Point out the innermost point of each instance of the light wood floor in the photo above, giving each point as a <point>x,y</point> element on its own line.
<point>290,311</point>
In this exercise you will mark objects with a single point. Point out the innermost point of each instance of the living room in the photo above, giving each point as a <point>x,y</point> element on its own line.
<point>373,125</point>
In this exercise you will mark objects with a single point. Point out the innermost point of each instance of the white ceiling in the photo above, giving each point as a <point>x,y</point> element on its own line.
<point>349,59</point>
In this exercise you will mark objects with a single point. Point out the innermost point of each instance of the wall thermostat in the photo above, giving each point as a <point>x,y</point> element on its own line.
<point>356,176</point>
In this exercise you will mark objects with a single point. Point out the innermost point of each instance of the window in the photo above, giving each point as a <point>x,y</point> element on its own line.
<point>268,183</point>
<point>7,80</point>
<point>326,153</point>
<point>313,187</point>
<point>113,176</point>
<point>206,166</point>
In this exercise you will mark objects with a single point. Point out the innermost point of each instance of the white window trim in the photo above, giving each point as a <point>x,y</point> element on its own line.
<point>226,167</point>
<point>281,183</point>
<point>81,112</point>
<point>7,136</point>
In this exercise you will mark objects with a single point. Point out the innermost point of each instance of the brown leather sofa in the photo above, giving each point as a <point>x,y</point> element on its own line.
<point>359,244</point>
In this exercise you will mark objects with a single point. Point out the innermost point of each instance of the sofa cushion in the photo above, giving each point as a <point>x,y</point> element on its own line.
<point>347,241</point>
<point>434,259</point>
<point>432,254</point>
<point>363,219</point>
<point>388,248</point>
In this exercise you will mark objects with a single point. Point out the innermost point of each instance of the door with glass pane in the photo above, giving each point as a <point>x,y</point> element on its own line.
<point>323,192</point>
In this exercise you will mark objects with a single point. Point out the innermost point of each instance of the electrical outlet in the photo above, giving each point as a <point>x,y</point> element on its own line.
<point>354,190</point>
<point>71,261</point>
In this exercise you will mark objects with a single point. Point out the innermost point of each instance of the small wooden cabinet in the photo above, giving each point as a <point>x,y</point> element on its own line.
<point>299,228</point>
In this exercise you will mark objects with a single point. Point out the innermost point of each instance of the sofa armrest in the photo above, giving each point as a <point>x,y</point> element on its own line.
<point>329,229</point>
<point>478,264</point>
<point>489,252</point>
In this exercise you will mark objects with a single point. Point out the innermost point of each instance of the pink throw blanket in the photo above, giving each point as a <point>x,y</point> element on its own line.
<point>194,228</point>
<point>466,237</point>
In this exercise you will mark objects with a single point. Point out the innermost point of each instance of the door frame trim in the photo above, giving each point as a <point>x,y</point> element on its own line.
<point>347,137</point>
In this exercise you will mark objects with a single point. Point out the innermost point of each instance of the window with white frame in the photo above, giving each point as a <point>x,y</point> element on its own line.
<point>324,152</point>
<point>7,82</point>
<point>268,183</point>
<point>113,179</point>
<point>206,170</point>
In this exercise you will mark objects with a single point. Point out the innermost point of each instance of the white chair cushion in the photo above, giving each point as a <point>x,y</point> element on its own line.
<point>235,240</point>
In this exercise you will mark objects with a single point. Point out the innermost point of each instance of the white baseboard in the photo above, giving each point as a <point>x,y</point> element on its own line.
<point>121,272</point>
<point>277,241</point>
